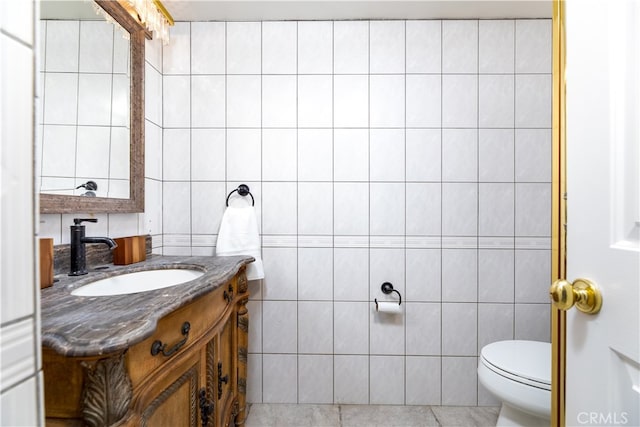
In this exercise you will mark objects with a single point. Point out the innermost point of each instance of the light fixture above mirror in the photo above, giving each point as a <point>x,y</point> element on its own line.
<point>151,14</point>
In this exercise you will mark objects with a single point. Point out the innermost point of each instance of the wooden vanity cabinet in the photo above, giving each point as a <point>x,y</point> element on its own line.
<point>197,376</point>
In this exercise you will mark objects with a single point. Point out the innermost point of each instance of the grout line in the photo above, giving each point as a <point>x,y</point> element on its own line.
<point>297,230</point>
<point>404,379</point>
<point>333,224</point>
<point>75,149</point>
<point>477,204</point>
<point>515,187</point>
<point>441,208</point>
<point>190,147</point>
<point>262,212</point>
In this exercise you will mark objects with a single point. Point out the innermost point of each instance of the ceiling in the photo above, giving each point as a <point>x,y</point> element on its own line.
<point>267,10</point>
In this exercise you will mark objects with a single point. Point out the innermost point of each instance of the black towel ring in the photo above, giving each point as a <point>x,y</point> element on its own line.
<point>242,190</point>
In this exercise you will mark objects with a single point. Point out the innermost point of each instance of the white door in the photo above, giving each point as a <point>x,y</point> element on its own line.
<point>603,212</point>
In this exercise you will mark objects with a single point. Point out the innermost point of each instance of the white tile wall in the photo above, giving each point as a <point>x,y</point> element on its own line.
<point>243,42</point>
<point>280,378</point>
<point>496,46</point>
<point>423,380</point>
<point>96,49</point>
<point>386,388</point>
<point>460,47</point>
<point>207,47</point>
<point>351,379</point>
<point>315,378</point>
<point>415,152</point>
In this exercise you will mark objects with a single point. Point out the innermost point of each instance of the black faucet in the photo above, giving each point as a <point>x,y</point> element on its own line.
<point>78,264</point>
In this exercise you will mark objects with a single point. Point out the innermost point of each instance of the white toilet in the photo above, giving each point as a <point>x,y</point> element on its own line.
<point>518,373</point>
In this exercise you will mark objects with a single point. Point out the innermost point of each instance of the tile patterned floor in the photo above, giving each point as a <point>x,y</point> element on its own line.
<point>283,415</point>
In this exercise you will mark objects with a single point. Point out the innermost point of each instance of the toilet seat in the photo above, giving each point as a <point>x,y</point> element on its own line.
<point>518,373</point>
<point>527,362</point>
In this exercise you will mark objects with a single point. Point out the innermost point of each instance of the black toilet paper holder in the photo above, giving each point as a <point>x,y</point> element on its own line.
<point>387,288</point>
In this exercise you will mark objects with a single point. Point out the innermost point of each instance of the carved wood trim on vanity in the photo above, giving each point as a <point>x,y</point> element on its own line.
<point>243,345</point>
<point>211,379</point>
<point>107,391</point>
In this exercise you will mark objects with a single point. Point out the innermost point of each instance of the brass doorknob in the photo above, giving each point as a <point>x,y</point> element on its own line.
<point>582,292</point>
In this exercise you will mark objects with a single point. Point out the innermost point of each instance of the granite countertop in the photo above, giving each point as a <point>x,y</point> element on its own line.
<point>92,326</point>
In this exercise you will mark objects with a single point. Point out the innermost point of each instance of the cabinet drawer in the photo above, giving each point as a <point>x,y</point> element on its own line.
<point>200,315</point>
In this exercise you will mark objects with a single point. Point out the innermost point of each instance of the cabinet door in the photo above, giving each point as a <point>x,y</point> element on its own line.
<point>173,398</point>
<point>221,375</point>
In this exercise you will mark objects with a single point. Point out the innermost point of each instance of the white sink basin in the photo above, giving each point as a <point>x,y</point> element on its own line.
<point>140,281</point>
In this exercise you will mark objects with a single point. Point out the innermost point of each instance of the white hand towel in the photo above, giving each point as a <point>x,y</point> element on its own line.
<point>239,235</point>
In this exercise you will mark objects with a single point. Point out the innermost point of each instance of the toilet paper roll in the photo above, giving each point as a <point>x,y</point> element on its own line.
<point>389,307</point>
